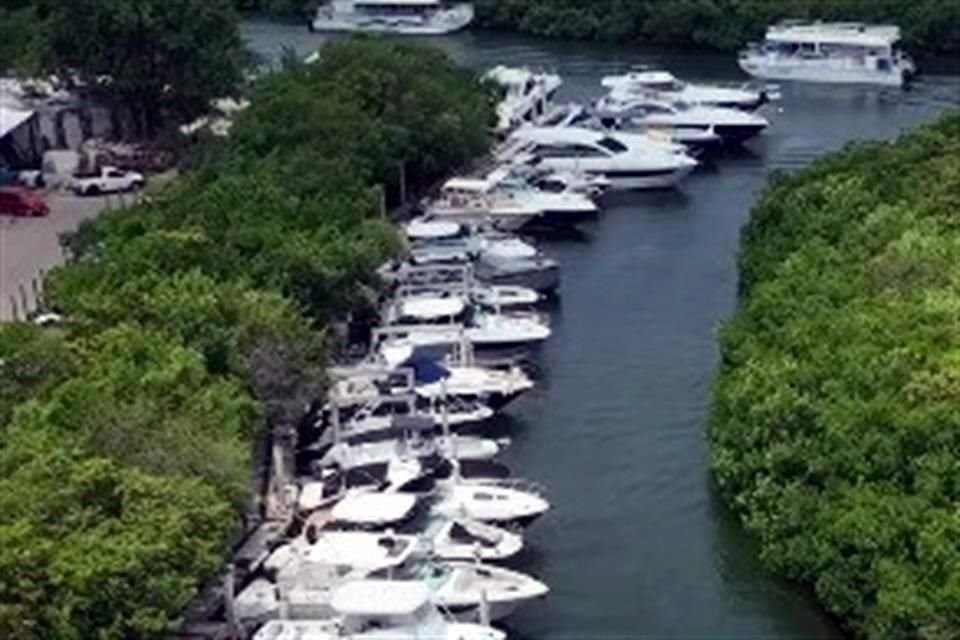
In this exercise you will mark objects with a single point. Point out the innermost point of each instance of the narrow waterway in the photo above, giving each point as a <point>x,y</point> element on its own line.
<point>639,544</point>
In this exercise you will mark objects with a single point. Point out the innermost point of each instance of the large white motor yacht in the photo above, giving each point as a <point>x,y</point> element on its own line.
<point>410,17</point>
<point>526,94</point>
<point>628,161</point>
<point>838,52</point>
<point>665,85</point>
<point>648,112</point>
<point>379,610</point>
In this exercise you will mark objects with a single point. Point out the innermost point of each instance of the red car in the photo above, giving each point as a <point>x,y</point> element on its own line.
<point>17,201</point>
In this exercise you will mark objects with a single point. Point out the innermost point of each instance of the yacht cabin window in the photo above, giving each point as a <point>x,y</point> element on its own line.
<point>612,145</point>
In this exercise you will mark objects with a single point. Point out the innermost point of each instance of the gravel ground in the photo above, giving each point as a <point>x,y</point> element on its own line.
<point>29,247</point>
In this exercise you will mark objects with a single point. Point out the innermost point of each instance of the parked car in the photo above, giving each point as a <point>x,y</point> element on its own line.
<point>18,201</point>
<point>106,180</point>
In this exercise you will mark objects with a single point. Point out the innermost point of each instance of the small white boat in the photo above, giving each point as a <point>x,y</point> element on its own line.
<point>470,199</point>
<point>830,52</point>
<point>501,502</point>
<point>667,87</point>
<point>526,94</point>
<point>404,17</point>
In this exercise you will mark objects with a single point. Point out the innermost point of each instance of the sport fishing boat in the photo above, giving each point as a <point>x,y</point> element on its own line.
<point>404,17</point>
<point>666,86</point>
<point>830,52</point>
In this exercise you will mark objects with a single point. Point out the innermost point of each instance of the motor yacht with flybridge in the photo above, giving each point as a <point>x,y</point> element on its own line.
<point>830,52</point>
<point>668,87</point>
<point>403,17</point>
<point>649,112</point>
<point>628,161</point>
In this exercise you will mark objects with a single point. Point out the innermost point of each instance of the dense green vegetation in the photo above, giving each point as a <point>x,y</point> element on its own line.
<point>932,25</point>
<point>156,62</point>
<point>836,427</point>
<point>193,321</point>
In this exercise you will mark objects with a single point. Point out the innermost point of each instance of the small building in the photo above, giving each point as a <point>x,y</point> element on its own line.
<point>20,140</point>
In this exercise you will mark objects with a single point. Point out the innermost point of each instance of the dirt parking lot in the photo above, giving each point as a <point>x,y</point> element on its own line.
<point>29,247</point>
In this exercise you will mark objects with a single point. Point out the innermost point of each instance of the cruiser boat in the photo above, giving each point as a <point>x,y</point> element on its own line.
<point>628,161</point>
<point>666,86</point>
<point>462,587</point>
<point>503,502</point>
<point>379,610</point>
<point>408,17</point>
<point>731,125</point>
<point>829,52</point>
<point>526,94</point>
<point>311,567</point>
<point>437,535</point>
<point>409,437</point>
<point>511,203</point>
<point>483,329</point>
<point>381,415</point>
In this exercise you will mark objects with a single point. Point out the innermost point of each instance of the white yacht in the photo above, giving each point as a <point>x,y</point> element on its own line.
<point>665,85</point>
<point>434,380</point>
<point>628,161</point>
<point>437,534</point>
<point>483,329</point>
<point>410,437</point>
<point>503,502</point>
<point>379,610</point>
<point>526,94</point>
<point>380,415</point>
<point>677,118</point>
<point>408,17</point>
<point>511,203</point>
<point>462,587</point>
<point>830,52</point>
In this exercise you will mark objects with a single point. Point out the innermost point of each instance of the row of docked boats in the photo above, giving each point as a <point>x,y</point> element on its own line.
<point>406,523</point>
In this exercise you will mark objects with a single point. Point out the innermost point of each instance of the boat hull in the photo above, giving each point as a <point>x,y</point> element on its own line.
<point>639,180</point>
<point>807,71</point>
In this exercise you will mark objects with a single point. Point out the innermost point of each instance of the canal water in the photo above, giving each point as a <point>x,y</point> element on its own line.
<point>639,545</point>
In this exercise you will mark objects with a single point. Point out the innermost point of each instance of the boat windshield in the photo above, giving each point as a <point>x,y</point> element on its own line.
<point>611,144</point>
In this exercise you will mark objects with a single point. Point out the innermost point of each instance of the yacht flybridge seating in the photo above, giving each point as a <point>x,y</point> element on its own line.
<point>835,52</point>
<point>410,17</point>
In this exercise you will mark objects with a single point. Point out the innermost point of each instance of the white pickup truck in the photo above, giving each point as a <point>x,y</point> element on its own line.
<point>106,180</point>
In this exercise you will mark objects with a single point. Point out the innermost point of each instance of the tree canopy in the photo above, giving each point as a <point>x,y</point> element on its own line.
<point>835,425</point>
<point>197,323</point>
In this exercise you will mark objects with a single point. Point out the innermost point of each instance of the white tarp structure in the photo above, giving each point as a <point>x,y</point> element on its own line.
<point>11,118</point>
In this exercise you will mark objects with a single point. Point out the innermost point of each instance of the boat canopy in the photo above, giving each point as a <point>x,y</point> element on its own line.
<point>426,371</point>
<point>466,184</point>
<point>357,549</point>
<point>374,508</point>
<point>397,3</point>
<point>432,229</point>
<point>380,598</point>
<point>431,308</point>
<point>836,33</point>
